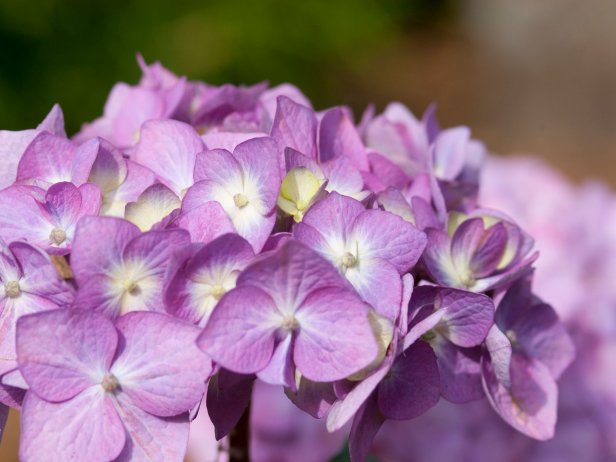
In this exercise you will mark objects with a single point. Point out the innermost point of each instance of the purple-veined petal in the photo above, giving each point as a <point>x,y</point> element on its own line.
<point>240,333</point>
<point>86,427</point>
<point>169,148</point>
<point>338,137</point>
<point>412,385</point>
<point>322,352</point>
<point>160,367</point>
<point>228,396</point>
<point>62,352</point>
<point>366,425</point>
<point>295,126</point>
<point>150,438</point>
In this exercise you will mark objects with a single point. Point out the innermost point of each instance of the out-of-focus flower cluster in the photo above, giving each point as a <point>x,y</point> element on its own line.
<point>575,231</point>
<point>196,240</point>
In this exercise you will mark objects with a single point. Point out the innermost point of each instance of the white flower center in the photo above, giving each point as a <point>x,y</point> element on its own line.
<point>12,289</point>
<point>57,236</point>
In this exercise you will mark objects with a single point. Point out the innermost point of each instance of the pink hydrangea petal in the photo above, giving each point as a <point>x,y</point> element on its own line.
<point>152,206</point>
<point>160,367</point>
<point>48,158</point>
<point>321,352</point>
<point>378,283</point>
<point>12,146</point>
<point>150,438</point>
<point>62,352</point>
<point>169,148</point>
<point>295,126</point>
<point>338,137</point>
<point>343,410</point>
<point>334,215</point>
<point>219,166</point>
<point>204,222</point>
<point>99,242</point>
<point>281,369</point>
<point>387,236</point>
<point>86,427</point>
<point>240,333</point>
<point>53,122</point>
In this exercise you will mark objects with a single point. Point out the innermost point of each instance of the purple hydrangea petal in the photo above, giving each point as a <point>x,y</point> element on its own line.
<point>204,222</point>
<point>295,126</point>
<point>412,385</point>
<point>228,396</point>
<point>321,352</point>
<point>169,148</point>
<point>366,425</point>
<point>86,427</point>
<point>151,438</point>
<point>63,352</point>
<point>315,398</point>
<point>338,137</point>
<point>240,334</point>
<point>160,367</point>
<point>459,370</point>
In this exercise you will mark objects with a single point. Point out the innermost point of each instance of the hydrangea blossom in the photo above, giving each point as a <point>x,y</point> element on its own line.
<point>227,247</point>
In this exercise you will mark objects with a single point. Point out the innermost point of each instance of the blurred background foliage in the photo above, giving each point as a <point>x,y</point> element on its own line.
<point>73,51</point>
<point>526,76</point>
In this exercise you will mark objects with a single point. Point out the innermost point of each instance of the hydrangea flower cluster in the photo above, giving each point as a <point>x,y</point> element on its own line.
<point>195,239</point>
<point>584,297</point>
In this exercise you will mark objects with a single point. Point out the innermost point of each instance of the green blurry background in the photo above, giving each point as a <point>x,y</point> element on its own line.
<point>72,51</point>
<point>527,76</point>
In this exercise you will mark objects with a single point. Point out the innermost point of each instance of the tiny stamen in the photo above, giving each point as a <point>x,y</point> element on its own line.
<point>349,260</point>
<point>289,324</point>
<point>511,335</point>
<point>240,200</point>
<point>12,289</point>
<point>57,236</point>
<point>131,287</point>
<point>110,383</point>
<point>217,291</point>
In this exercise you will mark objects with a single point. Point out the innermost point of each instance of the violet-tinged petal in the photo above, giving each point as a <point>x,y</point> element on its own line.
<point>150,438</point>
<point>339,138</point>
<point>315,398</point>
<point>343,410</point>
<point>450,152</point>
<point>240,333</point>
<point>468,316</point>
<point>412,385</point>
<point>386,173</point>
<point>366,425</point>
<point>86,427</point>
<point>291,274</point>
<point>204,222</point>
<point>12,395</point>
<point>379,284</point>
<point>169,148</point>
<point>160,367</point>
<point>194,286</point>
<point>228,140</point>
<point>489,254</point>
<point>63,352</point>
<point>529,404</point>
<point>48,158</point>
<point>99,243</point>
<point>437,258</point>
<point>387,236</point>
<point>295,126</point>
<point>226,402</point>
<point>53,122</point>
<point>321,353</point>
<point>334,215</point>
<point>281,369</point>
<point>459,371</point>
<point>541,335</point>
<point>12,146</point>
